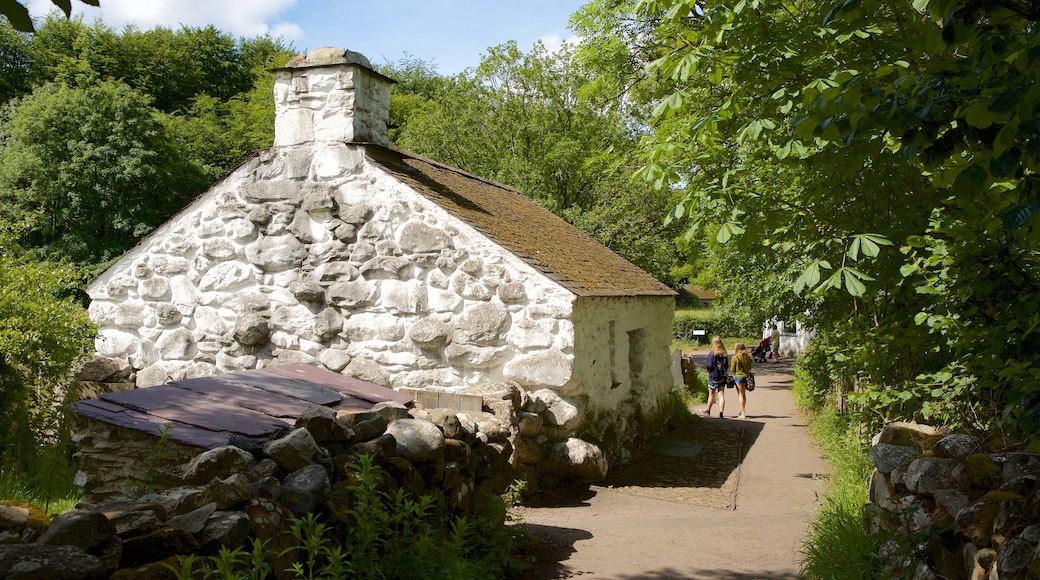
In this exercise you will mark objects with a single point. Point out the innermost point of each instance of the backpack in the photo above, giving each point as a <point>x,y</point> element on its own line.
<point>720,371</point>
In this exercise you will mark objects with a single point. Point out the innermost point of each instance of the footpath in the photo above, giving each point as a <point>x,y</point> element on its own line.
<point>722,499</point>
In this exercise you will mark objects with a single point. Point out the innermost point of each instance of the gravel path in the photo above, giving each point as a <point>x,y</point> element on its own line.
<point>719,498</point>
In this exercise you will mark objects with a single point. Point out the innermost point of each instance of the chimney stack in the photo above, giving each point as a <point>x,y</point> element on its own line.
<point>330,95</point>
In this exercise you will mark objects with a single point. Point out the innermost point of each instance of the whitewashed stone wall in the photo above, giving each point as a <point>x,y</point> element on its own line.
<point>310,253</point>
<point>296,258</point>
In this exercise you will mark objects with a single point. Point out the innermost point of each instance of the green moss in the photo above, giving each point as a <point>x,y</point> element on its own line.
<point>36,519</point>
<point>982,471</point>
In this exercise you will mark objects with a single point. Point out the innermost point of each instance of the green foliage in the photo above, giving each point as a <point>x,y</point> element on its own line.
<point>535,122</point>
<point>378,534</point>
<point>839,544</point>
<point>81,170</point>
<point>107,134</point>
<point>42,332</point>
<point>868,166</point>
<point>714,322</point>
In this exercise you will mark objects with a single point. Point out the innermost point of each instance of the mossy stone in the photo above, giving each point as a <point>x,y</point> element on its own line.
<point>16,516</point>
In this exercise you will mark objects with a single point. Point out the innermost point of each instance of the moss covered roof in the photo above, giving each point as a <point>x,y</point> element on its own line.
<point>534,234</point>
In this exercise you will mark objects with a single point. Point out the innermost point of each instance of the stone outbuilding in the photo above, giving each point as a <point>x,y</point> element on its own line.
<point>336,248</point>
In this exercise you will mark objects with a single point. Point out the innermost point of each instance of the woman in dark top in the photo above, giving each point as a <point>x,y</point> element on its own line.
<point>718,369</point>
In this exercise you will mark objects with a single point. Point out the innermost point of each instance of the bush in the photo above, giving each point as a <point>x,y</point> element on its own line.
<point>715,322</point>
<point>42,332</point>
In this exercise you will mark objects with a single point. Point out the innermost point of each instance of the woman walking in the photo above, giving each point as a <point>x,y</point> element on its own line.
<point>717,366</point>
<point>740,368</point>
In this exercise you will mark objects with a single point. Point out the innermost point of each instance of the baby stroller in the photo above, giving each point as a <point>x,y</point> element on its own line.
<point>761,351</point>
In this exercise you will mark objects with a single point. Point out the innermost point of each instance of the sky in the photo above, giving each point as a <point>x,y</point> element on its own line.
<point>453,34</point>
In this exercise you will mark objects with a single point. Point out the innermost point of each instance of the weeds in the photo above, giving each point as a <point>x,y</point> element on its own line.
<point>374,533</point>
<point>840,544</point>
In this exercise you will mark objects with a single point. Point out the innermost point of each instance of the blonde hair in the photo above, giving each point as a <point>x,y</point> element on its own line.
<point>740,351</point>
<point>717,347</point>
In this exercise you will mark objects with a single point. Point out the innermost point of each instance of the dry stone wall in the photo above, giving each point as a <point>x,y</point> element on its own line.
<point>953,508</point>
<point>148,500</point>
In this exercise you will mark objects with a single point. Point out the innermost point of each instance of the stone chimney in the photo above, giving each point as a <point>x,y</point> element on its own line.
<point>330,95</point>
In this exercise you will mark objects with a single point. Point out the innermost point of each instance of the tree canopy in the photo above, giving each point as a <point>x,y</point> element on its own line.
<point>106,134</point>
<point>885,153</point>
<point>534,121</point>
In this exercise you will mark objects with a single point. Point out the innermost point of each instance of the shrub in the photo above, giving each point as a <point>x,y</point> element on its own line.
<point>713,322</point>
<point>378,534</point>
<point>42,332</point>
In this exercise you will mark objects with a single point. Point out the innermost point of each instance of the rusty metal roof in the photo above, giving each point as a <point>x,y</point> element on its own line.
<point>552,246</point>
<point>253,405</point>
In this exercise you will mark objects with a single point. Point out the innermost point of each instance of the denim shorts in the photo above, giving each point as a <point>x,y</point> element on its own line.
<point>713,385</point>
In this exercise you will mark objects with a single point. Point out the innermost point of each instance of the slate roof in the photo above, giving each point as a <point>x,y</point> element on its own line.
<point>548,243</point>
<point>253,405</point>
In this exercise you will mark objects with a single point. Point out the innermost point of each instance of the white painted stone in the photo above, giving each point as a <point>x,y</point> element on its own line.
<point>176,344</point>
<point>335,159</point>
<point>100,312</point>
<point>291,318</point>
<point>482,324</point>
<point>334,360</point>
<point>293,356</point>
<point>156,374</point>
<point>550,368</point>
<point>444,301</point>
<point>132,315</point>
<point>438,280</point>
<point>416,237</point>
<point>558,310</point>
<point>285,340</point>
<point>327,324</point>
<point>403,297</point>
<point>337,272</point>
<point>226,276</point>
<point>310,347</point>
<point>397,359</point>
<point>469,287</point>
<point>169,265</point>
<point>475,357</point>
<point>209,229</point>
<point>115,343</point>
<point>351,294</point>
<point>529,334</point>
<point>276,253</point>
<point>367,370</point>
<point>241,230</point>
<point>429,333</point>
<point>364,326</point>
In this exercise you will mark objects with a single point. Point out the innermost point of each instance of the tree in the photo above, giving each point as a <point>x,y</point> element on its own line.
<point>86,172</point>
<point>530,121</point>
<point>14,63</point>
<point>884,149</point>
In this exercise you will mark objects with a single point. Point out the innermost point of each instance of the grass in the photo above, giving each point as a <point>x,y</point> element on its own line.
<point>840,544</point>
<point>14,486</point>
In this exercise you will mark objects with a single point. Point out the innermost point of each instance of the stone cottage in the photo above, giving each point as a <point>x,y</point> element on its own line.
<point>335,248</point>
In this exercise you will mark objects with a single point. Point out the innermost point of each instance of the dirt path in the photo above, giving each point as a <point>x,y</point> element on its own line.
<point>719,498</point>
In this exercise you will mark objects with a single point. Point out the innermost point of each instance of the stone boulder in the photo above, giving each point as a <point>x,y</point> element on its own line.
<point>218,463</point>
<point>886,457</point>
<point>417,440</point>
<point>575,460</point>
<point>304,489</point>
<point>322,424</point>
<point>33,562</point>
<point>295,450</point>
